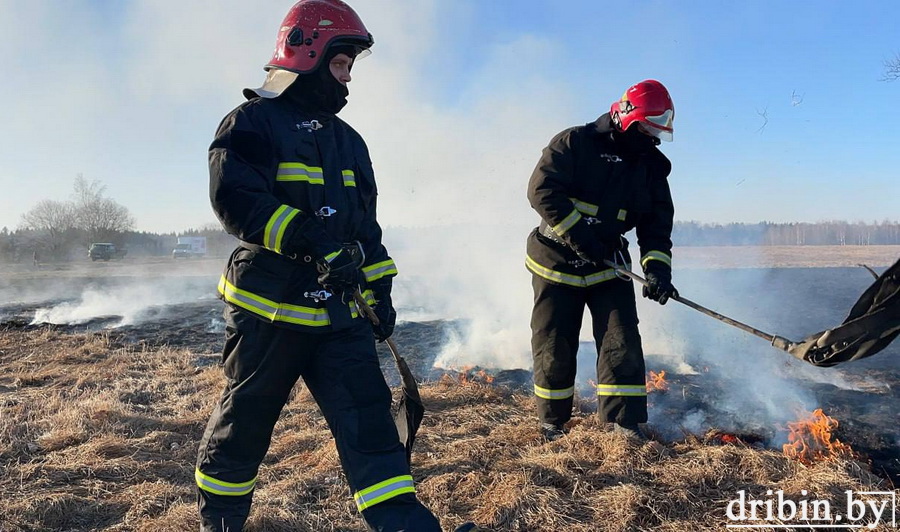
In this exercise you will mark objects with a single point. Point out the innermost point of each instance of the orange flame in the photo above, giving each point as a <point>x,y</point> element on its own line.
<point>465,375</point>
<point>811,440</point>
<point>656,382</point>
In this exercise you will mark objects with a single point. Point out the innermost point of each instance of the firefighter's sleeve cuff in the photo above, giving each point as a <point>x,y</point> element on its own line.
<point>293,233</point>
<point>656,256</point>
<point>379,271</point>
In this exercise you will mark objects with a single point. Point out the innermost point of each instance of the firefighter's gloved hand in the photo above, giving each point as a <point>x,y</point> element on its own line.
<point>585,243</point>
<point>659,282</point>
<point>340,274</point>
<point>387,317</point>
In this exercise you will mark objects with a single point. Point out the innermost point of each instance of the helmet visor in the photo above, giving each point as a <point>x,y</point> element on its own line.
<point>659,126</point>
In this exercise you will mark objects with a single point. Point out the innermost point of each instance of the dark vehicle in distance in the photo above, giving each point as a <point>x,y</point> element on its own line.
<point>105,251</point>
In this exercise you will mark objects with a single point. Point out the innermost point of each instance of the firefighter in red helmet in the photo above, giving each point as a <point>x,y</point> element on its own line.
<point>295,184</point>
<point>593,184</point>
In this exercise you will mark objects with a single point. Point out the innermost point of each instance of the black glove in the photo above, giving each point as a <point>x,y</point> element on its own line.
<point>341,274</point>
<point>387,317</point>
<point>659,282</point>
<point>583,240</point>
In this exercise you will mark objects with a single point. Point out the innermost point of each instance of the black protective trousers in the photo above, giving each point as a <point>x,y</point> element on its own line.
<point>555,326</point>
<point>262,363</point>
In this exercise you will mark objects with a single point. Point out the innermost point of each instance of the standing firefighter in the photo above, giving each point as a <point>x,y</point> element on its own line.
<point>295,184</point>
<point>593,184</point>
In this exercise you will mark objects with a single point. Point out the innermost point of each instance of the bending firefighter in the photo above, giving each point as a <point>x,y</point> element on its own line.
<point>295,184</point>
<point>593,184</point>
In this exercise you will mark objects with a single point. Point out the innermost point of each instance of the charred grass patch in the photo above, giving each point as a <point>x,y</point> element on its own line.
<point>97,434</point>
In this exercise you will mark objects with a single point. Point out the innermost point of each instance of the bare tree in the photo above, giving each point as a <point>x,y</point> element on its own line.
<point>892,68</point>
<point>52,222</point>
<point>100,217</point>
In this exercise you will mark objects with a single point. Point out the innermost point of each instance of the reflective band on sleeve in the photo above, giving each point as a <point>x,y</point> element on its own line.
<point>622,390</point>
<point>349,178</point>
<point>546,393</point>
<point>300,172</point>
<point>567,223</point>
<point>656,255</point>
<point>271,310</point>
<point>279,221</point>
<point>622,214</point>
<point>383,491</point>
<point>568,278</point>
<point>584,207</point>
<point>219,487</point>
<point>379,270</point>
<point>330,257</point>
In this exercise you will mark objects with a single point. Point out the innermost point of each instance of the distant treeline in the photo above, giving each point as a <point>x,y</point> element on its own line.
<point>26,245</point>
<point>833,233</point>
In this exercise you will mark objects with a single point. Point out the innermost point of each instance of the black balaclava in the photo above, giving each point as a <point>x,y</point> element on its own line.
<point>320,91</point>
<point>634,141</point>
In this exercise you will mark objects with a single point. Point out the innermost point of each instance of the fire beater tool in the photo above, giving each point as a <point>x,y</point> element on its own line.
<point>410,410</point>
<point>872,324</point>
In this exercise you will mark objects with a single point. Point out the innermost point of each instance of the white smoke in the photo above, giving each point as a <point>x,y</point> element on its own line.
<point>124,304</point>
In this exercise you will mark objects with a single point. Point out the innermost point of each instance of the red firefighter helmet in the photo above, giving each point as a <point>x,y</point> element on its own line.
<point>310,27</point>
<point>308,30</point>
<point>649,105</point>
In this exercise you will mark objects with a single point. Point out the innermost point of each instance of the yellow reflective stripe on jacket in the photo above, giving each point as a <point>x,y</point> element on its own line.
<point>274,232</point>
<point>568,278</point>
<point>378,270</point>
<point>272,310</point>
<point>622,390</point>
<point>546,393</point>
<point>219,487</point>
<point>330,257</point>
<point>622,215</point>
<point>312,317</point>
<point>383,491</point>
<point>349,178</point>
<point>656,255</point>
<point>567,223</point>
<point>300,172</point>
<point>587,208</point>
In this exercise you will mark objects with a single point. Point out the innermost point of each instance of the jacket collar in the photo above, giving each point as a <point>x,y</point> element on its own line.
<point>604,125</point>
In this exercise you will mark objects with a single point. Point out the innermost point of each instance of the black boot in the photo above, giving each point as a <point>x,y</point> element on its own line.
<point>552,432</point>
<point>631,431</point>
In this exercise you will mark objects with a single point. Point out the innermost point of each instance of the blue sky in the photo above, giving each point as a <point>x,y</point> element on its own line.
<point>460,96</point>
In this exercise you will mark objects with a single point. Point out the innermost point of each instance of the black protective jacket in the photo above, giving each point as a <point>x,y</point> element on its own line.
<point>294,187</point>
<point>592,181</point>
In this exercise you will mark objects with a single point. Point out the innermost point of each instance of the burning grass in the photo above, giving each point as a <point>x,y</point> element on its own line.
<point>96,434</point>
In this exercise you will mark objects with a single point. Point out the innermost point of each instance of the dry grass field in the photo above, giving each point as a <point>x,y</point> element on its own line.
<point>785,256</point>
<point>99,428</point>
<point>96,434</point>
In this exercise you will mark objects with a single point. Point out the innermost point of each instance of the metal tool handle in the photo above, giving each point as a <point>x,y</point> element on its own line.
<point>781,343</point>
<point>371,316</point>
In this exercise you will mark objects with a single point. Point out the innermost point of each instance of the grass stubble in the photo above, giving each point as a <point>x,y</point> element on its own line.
<point>98,434</point>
